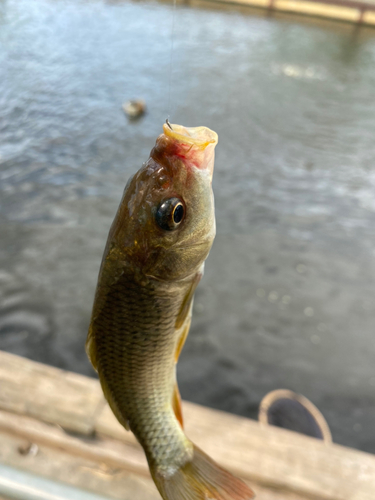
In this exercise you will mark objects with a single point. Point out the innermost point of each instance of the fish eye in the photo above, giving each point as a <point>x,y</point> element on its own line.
<point>170,214</point>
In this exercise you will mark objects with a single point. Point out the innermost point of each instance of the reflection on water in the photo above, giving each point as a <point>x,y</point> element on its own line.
<point>288,296</point>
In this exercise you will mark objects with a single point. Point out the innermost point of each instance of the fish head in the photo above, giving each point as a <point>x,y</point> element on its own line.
<point>165,224</point>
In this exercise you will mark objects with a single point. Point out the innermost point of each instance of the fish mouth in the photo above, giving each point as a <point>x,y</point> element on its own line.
<point>200,137</point>
<point>196,145</point>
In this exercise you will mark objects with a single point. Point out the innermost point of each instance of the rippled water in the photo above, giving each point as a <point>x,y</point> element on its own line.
<point>288,296</point>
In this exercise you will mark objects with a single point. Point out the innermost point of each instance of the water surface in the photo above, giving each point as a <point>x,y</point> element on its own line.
<point>288,296</point>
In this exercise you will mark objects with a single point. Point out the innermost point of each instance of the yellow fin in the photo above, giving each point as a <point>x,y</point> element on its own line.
<point>201,479</point>
<point>176,405</point>
<point>183,324</point>
<point>188,300</point>
<point>184,333</point>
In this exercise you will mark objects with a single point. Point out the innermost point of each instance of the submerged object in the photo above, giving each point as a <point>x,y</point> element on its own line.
<point>135,108</point>
<point>152,263</point>
<point>286,409</point>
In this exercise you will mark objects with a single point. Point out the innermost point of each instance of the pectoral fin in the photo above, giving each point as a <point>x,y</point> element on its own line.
<point>184,333</point>
<point>176,398</point>
<point>183,325</point>
<point>188,300</point>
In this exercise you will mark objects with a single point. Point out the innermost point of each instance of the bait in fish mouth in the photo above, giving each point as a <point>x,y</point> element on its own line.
<point>154,258</point>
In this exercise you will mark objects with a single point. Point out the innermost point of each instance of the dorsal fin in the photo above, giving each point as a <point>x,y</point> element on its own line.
<point>91,349</point>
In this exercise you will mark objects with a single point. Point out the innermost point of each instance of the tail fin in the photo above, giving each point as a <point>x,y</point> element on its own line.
<point>201,479</point>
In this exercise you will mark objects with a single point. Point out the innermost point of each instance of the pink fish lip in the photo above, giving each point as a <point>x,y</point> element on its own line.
<point>199,137</point>
<point>195,145</point>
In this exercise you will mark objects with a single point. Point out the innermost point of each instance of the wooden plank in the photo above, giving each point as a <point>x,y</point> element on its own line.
<point>95,474</point>
<point>54,395</point>
<point>271,456</point>
<point>110,451</point>
<point>266,455</point>
<point>340,10</point>
<point>318,9</point>
<point>369,18</point>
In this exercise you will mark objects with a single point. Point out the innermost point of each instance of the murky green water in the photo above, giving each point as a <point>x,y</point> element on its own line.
<point>288,297</point>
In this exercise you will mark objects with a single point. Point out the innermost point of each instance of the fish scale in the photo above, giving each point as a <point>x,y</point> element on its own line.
<point>130,317</point>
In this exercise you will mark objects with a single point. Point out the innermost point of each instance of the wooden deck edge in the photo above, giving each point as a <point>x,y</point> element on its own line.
<point>353,12</point>
<point>265,455</point>
<point>93,473</point>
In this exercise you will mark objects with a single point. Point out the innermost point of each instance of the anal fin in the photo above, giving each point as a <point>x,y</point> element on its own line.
<point>176,405</point>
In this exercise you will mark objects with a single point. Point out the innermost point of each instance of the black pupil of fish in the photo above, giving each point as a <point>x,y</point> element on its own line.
<point>178,214</point>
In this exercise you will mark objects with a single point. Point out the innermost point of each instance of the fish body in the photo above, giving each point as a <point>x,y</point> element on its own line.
<point>152,263</point>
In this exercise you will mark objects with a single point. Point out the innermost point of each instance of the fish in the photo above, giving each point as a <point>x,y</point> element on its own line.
<point>153,261</point>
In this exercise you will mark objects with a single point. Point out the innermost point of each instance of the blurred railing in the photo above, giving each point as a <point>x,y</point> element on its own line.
<point>18,485</point>
<point>357,12</point>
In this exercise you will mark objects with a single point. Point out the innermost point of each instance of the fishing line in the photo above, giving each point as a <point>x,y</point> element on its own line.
<point>171,60</point>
